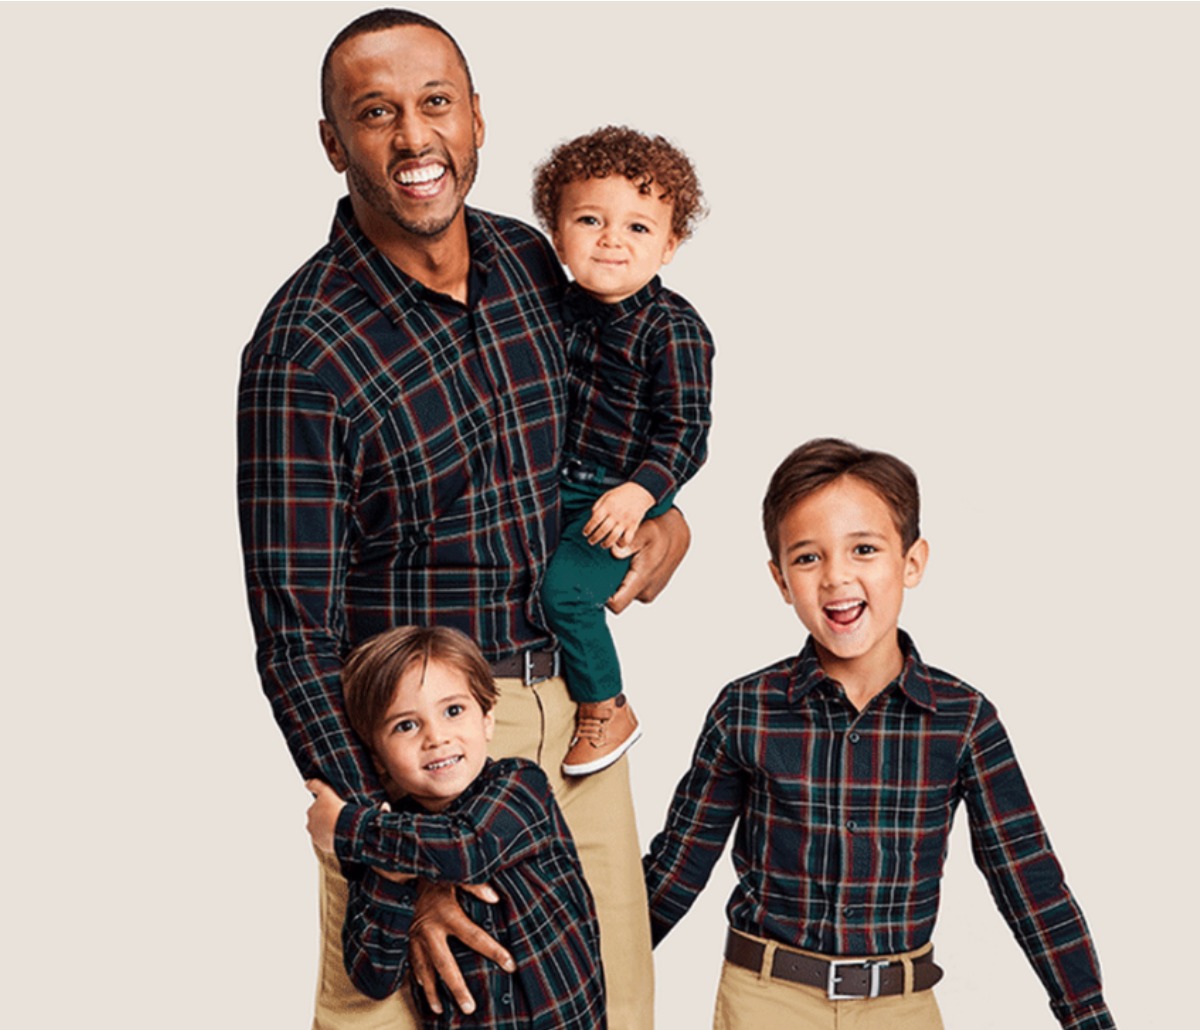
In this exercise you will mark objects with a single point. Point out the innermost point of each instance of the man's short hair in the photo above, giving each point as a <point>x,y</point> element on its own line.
<point>651,163</point>
<point>378,21</point>
<point>373,669</point>
<point>818,463</point>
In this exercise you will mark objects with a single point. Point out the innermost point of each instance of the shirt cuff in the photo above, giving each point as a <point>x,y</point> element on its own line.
<point>1092,1016</point>
<point>349,832</point>
<point>653,478</point>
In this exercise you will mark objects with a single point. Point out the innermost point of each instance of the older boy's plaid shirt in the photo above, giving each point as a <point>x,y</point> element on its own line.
<point>843,821</point>
<point>507,830</point>
<point>640,374</point>
<point>398,463</point>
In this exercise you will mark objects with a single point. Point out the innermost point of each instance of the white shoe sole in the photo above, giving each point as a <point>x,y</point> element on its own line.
<point>587,768</point>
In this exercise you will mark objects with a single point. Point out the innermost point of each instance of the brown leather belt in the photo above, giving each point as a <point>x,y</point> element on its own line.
<point>529,667</point>
<point>840,979</point>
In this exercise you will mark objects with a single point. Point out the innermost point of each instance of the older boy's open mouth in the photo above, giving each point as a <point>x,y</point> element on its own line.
<point>444,763</point>
<point>844,613</point>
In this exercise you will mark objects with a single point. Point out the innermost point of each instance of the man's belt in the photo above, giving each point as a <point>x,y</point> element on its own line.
<point>840,979</point>
<point>529,667</point>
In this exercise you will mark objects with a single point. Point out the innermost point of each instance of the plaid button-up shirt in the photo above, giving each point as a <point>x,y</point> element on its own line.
<point>843,821</point>
<point>398,456</point>
<point>640,374</point>
<point>507,830</point>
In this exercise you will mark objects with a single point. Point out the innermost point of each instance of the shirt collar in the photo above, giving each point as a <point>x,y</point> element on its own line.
<point>913,680</point>
<point>391,290</point>
<point>581,306</point>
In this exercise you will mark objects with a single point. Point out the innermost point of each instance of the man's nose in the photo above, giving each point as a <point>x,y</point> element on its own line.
<point>412,134</point>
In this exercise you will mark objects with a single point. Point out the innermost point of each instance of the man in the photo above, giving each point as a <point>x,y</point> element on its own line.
<point>400,415</point>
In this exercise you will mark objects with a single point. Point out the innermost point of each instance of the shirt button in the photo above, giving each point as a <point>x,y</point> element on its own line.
<point>506,999</point>
<point>848,912</point>
<point>851,825</point>
<point>854,737</point>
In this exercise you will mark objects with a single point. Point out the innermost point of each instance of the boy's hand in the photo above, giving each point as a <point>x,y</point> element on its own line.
<point>657,550</point>
<point>437,917</point>
<point>323,814</point>
<point>617,514</point>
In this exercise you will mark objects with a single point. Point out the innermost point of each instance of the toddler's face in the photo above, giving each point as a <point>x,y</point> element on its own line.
<point>613,238</point>
<point>433,740</point>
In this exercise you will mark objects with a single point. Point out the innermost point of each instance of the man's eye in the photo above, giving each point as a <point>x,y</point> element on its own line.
<point>373,114</point>
<point>438,101</point>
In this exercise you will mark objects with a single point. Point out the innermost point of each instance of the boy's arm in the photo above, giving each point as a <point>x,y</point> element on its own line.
<point>1013,852</point>
<point>680,405</point>
<point>379,915</point>
<point>707,803</point>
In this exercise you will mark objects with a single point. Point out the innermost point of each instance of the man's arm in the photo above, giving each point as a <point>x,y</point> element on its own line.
<point>293,491</point>
<point>657,550</point>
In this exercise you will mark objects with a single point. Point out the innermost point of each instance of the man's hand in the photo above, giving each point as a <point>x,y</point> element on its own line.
<point>617,514</point>
<point>657,550</point>
<point>439,916</point>
<point>323,814</point>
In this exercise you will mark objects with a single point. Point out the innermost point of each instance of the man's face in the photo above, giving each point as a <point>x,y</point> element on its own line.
<point>433,740</point>
<point>843,567</point>
<point>613,238</point>
<point>405,129</point>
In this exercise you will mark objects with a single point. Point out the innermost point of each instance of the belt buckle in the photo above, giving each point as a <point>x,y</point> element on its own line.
<point>874,965</point>
<point>529,678</point>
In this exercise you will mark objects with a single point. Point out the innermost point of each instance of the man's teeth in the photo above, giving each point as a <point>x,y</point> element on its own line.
<point>445,763</point>
<point>417,176</point>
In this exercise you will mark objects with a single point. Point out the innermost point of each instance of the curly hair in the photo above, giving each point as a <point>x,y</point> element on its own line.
<point>646,161</point>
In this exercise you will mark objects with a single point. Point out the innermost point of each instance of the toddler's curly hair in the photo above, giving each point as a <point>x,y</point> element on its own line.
<point>651,163</point>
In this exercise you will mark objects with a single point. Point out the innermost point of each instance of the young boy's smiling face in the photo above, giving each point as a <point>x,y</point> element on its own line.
<point>613,238</point>
<point>842,566</point>
<point>433,740</point>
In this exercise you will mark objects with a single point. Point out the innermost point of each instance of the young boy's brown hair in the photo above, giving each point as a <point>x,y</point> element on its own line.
<point>818,463</point>
<point>373,669</point>
<point>652,163</point>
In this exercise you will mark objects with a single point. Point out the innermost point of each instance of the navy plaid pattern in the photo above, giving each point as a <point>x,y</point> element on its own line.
<point>398,456</point>
<point>507,830</point>
<point>640,386</point>
<point>843,820</point>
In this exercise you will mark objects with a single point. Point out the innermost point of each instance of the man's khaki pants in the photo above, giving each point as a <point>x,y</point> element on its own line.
<point>747,1000</point>
<point>536,723</point>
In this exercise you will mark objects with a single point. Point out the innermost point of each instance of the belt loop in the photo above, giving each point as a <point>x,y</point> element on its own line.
<point>768,961</point>
<point>906,961</point>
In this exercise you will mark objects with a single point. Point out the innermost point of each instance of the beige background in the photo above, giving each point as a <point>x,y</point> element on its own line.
<point>967,234</point>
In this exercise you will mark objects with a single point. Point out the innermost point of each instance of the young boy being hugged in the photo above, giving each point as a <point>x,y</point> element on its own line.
<point>421,699</point>
<point>842,768</point>
<point>617,204</point>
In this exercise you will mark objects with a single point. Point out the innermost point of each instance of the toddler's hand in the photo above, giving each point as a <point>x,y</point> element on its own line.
<point>323,814</point>
<point>617,514</point>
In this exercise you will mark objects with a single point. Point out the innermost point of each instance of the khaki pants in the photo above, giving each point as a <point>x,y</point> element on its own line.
<point>536,723</point>
<point>747,1000</point>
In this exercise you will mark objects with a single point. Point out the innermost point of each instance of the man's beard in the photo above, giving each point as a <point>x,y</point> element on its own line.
<point>379,199</point>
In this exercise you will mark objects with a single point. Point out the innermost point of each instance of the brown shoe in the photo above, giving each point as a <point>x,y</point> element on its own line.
<point>604,731</point>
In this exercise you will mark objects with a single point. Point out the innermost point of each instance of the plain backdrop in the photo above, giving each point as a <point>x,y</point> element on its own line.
<point>963,233</point>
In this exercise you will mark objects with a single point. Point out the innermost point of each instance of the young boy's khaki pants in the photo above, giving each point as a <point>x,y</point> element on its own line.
<point>747,1000</point>
<point>536,723</point>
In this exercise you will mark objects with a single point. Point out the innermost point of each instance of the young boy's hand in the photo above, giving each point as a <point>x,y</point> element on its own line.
<point>323,814</point>
<point>617,514</point>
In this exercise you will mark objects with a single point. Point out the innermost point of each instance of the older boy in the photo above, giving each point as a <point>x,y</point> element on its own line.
<point>842,768</point>
<point>617,204</point>
<point>422,699</point>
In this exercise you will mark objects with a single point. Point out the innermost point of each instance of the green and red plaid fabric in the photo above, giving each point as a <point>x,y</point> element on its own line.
<point>640,374</point>
<point>398,458</point>
<point>841,822</point>
<point>506,829</point>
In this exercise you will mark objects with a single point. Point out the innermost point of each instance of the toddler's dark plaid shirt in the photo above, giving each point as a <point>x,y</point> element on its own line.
<point>398,463</point>
<point>507,830</point>
<point>843,819</point>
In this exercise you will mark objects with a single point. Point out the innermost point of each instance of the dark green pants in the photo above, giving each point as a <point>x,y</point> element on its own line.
<point>580,580</point>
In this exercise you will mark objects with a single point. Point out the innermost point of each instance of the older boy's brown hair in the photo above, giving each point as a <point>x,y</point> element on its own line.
<point>373,669</point>
<point>651,163</point>
<point>818,463</point>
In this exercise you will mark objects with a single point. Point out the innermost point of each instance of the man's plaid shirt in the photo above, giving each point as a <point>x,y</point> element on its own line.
<point>843,820</point>
<point>507,830</point>
<point>398,458</point>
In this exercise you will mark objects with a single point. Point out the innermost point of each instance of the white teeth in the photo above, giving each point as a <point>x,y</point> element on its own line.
<point>443,764</point>
<point>843,606</point>
<point>417,176</point>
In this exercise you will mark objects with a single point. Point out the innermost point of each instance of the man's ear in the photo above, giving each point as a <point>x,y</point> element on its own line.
<point>777,575</point>
<point>915,562</point>
<point>332,145</point>
<point>477,117</point>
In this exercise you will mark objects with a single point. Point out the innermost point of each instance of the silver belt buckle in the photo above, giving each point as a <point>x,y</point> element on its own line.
<point>874,965</point>
<point>530,679</point>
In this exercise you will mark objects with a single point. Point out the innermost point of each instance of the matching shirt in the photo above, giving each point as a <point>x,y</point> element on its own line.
<point>841,822</point>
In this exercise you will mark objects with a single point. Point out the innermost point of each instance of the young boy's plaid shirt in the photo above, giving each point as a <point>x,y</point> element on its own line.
<point>843,821</point>
<point>507,830</point>
<point>398,460</point>
<point>640,374</point>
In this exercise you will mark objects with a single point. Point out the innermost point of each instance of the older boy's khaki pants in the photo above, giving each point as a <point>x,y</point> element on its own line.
<point>747,1000</point>
<point>536,723</point>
